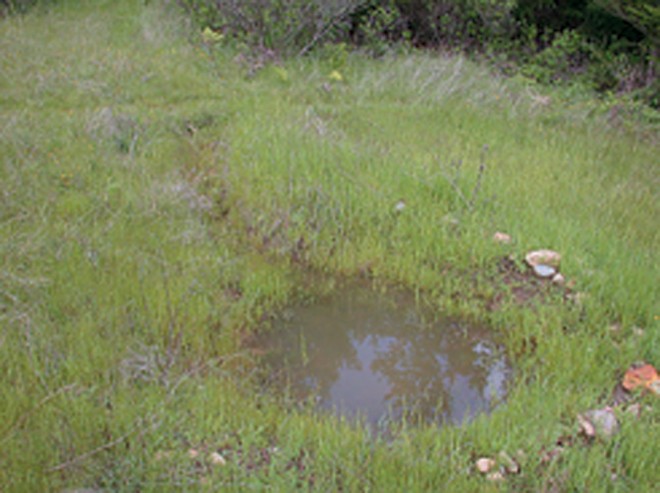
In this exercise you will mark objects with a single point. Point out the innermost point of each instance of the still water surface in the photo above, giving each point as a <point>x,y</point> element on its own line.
<point>365,354</point>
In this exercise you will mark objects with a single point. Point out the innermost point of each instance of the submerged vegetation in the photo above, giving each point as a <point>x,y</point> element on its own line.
<point>163,192</point>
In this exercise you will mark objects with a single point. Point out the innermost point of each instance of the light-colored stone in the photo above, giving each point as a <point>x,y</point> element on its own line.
<point>193,453</point>
<point>601,423</point>
<point>503,238</point>
<point>638,331</point>
<point>545,257</point>
<point>544,271</point>
<point>558,279</point>
<point>484,465</point>
<point>586,426</point>
<point>217,459</point>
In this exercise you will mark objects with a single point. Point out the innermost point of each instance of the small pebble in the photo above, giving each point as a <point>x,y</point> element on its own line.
<point>558,279</point>
<point>485,464</point>
<point>586,426</point>
<point>599,422</point>
<point>543,257</point>
<point>638,331</point>
<point>544,271</point>
<point>217,460</point>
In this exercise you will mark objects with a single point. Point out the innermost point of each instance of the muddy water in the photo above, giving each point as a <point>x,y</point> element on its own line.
<point>374,356</point>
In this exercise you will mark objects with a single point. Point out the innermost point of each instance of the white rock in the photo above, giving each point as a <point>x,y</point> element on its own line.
<point>638,331</point>
<point>544,271</point>
<point>558,279</point>
<point>599,422</point>
<point>545,257</point>
<point>586,426</point>
<point>484,465</point>
<point>193,453</point>
<point>217,460</point>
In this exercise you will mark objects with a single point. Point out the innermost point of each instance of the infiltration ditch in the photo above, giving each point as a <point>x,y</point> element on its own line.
<point>378,356</point>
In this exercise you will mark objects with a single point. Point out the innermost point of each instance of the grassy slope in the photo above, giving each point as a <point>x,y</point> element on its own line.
<point>137,247</point>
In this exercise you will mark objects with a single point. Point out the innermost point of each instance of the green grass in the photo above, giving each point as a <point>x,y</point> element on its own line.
<point>140,245</point>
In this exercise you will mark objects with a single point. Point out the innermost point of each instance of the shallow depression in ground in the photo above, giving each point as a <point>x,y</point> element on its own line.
<point>367,354</point>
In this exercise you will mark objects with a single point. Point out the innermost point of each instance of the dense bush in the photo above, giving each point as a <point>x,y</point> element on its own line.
<point>20,6</point>
<point>281,25</point>
<point>610,45</point>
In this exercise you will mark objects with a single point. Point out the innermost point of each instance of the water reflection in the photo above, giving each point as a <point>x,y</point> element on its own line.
<point>361,352</point>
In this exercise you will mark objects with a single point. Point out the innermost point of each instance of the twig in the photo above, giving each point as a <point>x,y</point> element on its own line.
<point>457,189</point>
<point>477,185</point>
<point>137,428</point>
<point>339,16</point>
<point>87,455</point>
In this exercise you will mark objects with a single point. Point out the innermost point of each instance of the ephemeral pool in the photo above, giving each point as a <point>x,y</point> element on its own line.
<point>365,354</point>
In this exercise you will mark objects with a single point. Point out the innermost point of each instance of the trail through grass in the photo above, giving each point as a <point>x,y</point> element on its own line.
<point>160,198</point>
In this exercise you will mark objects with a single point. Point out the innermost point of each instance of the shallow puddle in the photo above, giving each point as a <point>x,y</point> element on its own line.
<point>376,356</point>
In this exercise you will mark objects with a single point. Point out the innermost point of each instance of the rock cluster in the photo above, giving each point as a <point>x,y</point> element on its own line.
<point>545,264</point>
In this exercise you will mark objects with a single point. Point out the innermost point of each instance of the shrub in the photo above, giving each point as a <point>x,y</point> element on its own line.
<point>566,58</point>
<point>609,45</point>
<point>8,7</point>
<point>286,26</point>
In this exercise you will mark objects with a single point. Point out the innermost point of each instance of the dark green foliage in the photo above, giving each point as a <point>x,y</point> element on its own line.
<point>287,26</point>
<point>607,45</point>
<point>20,6</point>
<point>643,14</point>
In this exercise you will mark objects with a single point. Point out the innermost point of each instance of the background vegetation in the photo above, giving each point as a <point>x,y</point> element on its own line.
<point>606,45</point>
<point>164,190</point>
